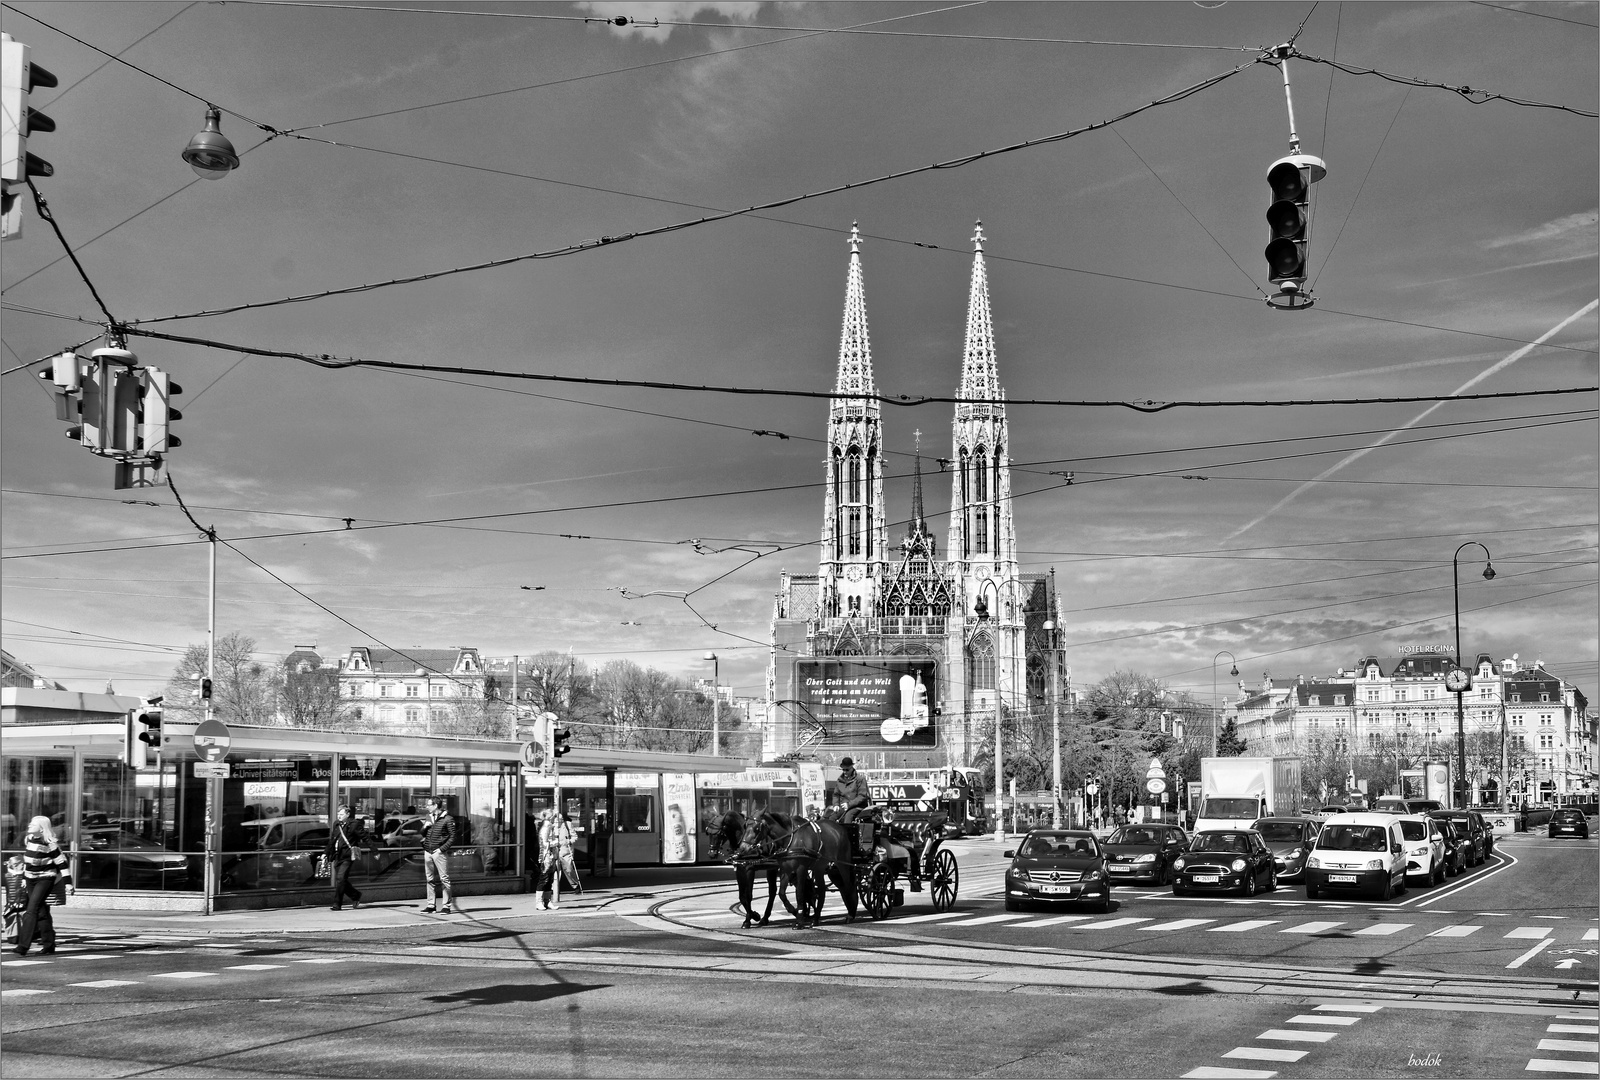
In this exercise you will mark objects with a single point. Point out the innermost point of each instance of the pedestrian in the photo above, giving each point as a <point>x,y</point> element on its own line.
<point>47,877</point>
<point>565,852</point>
<point>438,837</point>
<point>547,858</point>
<point>347,837</point>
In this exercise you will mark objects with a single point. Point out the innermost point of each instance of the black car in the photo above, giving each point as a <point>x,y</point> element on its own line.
<point>1057,866</point>
<point>1223,860</point>
<point>1144,852</point>
<point>1457,846</point>
<point>1569,822</point>
<point>1471,830</point>
<point>1289,839</point>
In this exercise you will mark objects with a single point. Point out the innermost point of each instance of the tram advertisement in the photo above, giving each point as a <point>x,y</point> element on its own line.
<point>867,703</point>
<point>677,792</point>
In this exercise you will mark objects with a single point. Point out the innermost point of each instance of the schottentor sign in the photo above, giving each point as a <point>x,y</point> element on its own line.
<point>869,703</point>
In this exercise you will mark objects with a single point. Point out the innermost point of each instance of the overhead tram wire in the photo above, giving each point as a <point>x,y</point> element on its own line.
<point>44,212</point>
<point>1529,11</point>
<point>1471,95</point>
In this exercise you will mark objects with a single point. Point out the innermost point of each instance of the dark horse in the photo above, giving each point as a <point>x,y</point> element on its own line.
<point>727,836</point>
<point>812,852</point>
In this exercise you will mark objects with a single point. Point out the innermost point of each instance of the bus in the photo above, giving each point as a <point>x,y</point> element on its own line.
<point>956,792</point>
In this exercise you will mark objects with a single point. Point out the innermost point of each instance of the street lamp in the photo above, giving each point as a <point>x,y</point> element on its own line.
<point>1460,682</point>
<point>981,608</point>
<point>209,153</point>
<point>716,704</point>
<point>1216,716</point>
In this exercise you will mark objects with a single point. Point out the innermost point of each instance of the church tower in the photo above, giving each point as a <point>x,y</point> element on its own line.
<point>982,546</point>
<point>854,539</point>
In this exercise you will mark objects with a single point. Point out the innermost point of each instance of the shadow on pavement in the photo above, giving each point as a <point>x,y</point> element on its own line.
<point>507,993</point>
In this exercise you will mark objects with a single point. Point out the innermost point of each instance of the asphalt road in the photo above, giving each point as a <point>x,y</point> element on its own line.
<point>669,985</point>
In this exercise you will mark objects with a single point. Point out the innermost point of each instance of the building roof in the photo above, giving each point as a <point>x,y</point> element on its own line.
<point>414,661</point>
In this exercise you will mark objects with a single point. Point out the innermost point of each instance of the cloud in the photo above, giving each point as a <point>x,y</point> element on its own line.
<point>1563,231</point>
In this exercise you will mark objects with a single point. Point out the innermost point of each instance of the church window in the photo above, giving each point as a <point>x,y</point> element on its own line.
<point>982,653</point>
<point>981,529</point>
<point>855,531</point>
<point>854,464</point>
<point>980,471</point>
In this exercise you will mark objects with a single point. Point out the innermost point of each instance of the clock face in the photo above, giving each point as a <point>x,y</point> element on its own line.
<point>1457,680</point>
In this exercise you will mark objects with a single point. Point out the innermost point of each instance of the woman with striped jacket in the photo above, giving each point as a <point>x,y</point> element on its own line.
<point>42,865</point>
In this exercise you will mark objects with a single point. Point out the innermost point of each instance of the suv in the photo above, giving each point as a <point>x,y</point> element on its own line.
<point>1473,832</point>
<point>1358,852</point>
<point>1424,845</point>
<point>1569,822</point>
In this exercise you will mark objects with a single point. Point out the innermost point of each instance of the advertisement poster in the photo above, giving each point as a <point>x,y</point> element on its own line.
<point>678,843</point>
<point>813,788</point>
<point>870,704</point>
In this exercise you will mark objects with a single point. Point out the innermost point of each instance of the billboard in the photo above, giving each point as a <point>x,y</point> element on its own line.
<point>870,703</point>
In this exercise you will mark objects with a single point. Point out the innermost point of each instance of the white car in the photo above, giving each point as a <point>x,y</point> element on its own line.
<point>1359,853</point>
<point>1424,845</point>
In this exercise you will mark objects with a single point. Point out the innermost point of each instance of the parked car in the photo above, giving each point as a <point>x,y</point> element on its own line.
<point>1456,846</point>
<point>1569,822</point>
<point>1472,831</point>
<point>1221,860</point>
<point>1358,853</point>
<point>1424,845</point>
<point>1393,804</point>
<point>1057,866</point>
<point>123,860</point>
<point>1144,852</point>
<point>1289,839</point>
<point>288,865</point>
<point>282,832</point>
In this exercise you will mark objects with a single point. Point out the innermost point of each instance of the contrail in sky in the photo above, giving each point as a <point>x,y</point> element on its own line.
<point>1463,388</point>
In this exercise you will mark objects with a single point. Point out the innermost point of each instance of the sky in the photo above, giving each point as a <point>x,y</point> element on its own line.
<point>1453,251</point>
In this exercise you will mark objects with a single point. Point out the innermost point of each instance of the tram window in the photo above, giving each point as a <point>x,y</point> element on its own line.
<point>636,813</point>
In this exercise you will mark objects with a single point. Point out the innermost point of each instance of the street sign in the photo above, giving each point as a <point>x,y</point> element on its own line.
<point>533,756</point>
<point>1155,785</point>
<point>203,769</point>
<point>1091,788</point>
<point>211,740</point>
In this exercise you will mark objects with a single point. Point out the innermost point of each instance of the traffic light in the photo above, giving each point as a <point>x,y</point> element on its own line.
<point>18,78</point>
<point>558,742</point>
<point>1289,219</point>
<point>157,413</point>
<point>133,751</point>
<point>205,689</point>
<point>147,723</point>
<point>125,404</point>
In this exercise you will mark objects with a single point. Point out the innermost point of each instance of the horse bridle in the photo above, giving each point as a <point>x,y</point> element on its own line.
<point>767,847</point>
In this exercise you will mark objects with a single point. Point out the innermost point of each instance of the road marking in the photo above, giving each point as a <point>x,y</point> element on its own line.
<point>1310,928</point>
<point>1112,924</point>
<point>986,919</point>
<point>935,915</point>
<point>1349,1008</point>
<point>1217,1072</point>
<point>1529,932</point>
<point>1556,1065</point>
<point>104,984</point>
<point>1592,934</point>
<point>23,991</point>
<point>1290,1035</point>
<point>184,975</point>
<point>1384,929</point>
<point>325,960</point>
<point>1575,1029</point>
<point>1180,924</point>
<point>23,963</point>
<point>1459,930</point>
<point>1576,1046</point>
<point>1342,1021</point>
<point>1265,1053</point>
<point>1529,955</point>
<point>254,967</point>
<point>1058,920</point>
<point>1240,927</point>
<point>90,956</point>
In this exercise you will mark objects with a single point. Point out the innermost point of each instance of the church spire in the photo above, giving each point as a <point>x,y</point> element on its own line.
<point>855,347</point>
<point>980,378</point>
<point>918,522</point>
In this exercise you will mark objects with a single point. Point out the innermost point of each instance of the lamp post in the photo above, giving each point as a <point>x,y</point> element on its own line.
<point>1460,685</point>
<point>716,705</point>
<point>1216,705</point>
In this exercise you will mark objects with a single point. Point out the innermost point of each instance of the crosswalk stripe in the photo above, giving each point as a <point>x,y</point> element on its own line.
<point>1459,930</point>
<point>1575,1046</point>
<point>255,967</point>
<point>1217,1072</point>
<point>1111,925</point>
<point>1575,1029</point>
<point>935,915</point>
<point>1592,934</point>
<point>90,956</point>
<point>1336,1007</point>
<point>104,984</point>
<point>1265,1053</point>
<point>184,975</point>
<point>1342,1021</point>
<point>1180,924</point>
<point>23,991</point>
<point>1529,932</point>
<point>1310,928</point>
<point>986,919</point>
<point>1290,1035</point>
<point>1559,1065</point>
<point>1058,920</point>
<point>1384,929</point>
<point>1240,927</point>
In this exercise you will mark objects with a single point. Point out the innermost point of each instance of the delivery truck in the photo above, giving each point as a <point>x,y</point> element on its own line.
<point>1235,791</point>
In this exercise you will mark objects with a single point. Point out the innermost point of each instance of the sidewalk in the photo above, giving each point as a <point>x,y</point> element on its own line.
<point>385,915</point>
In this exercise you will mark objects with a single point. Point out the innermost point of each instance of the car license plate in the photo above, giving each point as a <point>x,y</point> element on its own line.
<point>1345,879</point>
<point>1209,878</point>
<point>1055,889</point>
<point>1121,869</point>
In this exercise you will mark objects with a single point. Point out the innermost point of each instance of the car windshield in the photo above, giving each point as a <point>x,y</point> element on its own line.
<point>1279,832</point>
<point>1230,808</point>
<point>1134,835</point>
<point>1413,830</point>
<point>1058,847</point>
<point>1220,841</point>
<point>1353,838</point>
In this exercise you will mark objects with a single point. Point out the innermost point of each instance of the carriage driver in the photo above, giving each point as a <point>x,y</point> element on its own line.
<point>851,791</point>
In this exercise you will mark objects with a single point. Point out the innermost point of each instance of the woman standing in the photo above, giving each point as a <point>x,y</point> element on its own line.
<point>44,869</point>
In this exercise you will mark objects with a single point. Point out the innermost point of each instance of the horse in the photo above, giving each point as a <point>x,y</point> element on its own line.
<point>806,850</point>
<point>727,835</point>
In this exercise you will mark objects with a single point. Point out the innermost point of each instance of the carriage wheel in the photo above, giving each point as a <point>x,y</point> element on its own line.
<point>945,880</point>
<point>879,882</point>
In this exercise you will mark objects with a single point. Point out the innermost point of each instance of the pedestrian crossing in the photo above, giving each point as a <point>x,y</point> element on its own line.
<point>1299,1036</point>
<point>181,976</point>
<point>1561,1052</point>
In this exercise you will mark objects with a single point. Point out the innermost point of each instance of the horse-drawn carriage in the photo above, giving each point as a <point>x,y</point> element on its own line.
<point>865,860</point>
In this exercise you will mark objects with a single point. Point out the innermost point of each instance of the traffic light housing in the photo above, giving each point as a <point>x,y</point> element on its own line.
<point>19,76</point>
<point>157,413</point>
<point>1289,220</point>
<point>558,742</point>
<point>144,733</point>
<point>134,752</point>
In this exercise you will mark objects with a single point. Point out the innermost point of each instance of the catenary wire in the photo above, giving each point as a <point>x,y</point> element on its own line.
<point>1469,94</point>
<point>1529,11</point>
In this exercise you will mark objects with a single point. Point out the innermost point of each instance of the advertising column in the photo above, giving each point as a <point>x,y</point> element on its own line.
<point>678,840</point>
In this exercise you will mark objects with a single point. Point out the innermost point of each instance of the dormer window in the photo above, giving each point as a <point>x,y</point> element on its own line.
<point>1338,699</point>
<point>1516,697</point>
<point>1313,700</point>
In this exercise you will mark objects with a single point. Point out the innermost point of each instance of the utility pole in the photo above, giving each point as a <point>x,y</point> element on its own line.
<point>213,880</point>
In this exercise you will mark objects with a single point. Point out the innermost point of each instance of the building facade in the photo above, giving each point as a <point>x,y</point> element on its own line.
<point>415,690</point>
<point>888,620</point>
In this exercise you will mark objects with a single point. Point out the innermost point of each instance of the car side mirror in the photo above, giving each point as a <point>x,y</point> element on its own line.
<point>1008,854</point>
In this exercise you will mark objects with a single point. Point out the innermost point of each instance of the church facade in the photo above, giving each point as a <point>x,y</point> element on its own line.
<point>895,652</point>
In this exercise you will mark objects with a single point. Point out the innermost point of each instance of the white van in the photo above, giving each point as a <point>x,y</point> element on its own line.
<point>1363,853</point>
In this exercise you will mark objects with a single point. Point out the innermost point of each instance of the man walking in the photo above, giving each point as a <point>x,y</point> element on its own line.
<point>438,837</point>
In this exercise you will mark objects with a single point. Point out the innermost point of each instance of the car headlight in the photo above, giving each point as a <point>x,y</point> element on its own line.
<point>1375,864</point>
<point>1295,854</point>
<point>1020,875</point>
<point>1239,864</point>
<point>1314,862</point>
<point>1179,865</point>
<point>1148,856</point>
<point>1423,850</point>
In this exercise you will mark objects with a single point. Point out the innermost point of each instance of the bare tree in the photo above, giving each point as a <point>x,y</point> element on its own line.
<point>245,690</point>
